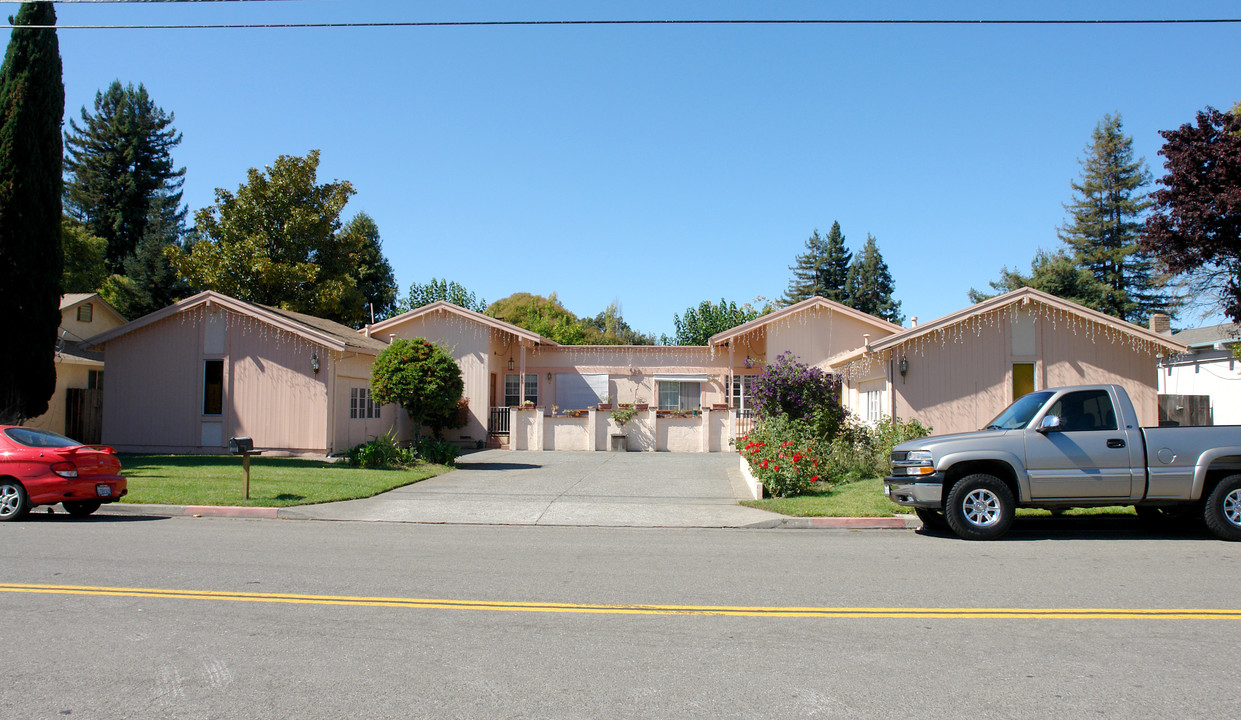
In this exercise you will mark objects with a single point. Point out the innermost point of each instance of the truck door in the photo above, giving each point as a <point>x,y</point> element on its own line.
<point>1087,457</point>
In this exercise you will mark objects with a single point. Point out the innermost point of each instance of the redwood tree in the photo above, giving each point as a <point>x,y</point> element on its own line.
<point>1196,224</point>
<point>32,102</point>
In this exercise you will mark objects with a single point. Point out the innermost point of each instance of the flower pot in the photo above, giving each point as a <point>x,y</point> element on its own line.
<point>640,406</point>
<point>605,406</point>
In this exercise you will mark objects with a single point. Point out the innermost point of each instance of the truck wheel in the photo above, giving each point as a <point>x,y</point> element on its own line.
<point>980,507</point>
<point>14,503</point>
<point>932,520</point>
<point>1223,509</point>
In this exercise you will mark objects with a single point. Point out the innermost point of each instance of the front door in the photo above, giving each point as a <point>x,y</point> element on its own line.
<point>1087,458</point>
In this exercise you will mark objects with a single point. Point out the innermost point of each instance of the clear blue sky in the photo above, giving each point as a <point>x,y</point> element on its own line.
<point>667,165</point>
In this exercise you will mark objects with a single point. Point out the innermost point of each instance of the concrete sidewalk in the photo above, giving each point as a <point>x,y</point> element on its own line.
<point>600,489</point>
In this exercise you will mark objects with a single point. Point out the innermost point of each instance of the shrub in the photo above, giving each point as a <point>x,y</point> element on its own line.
<point>864,451</point>
<point>784,455</point>
<point>381,452</point>
<point>800,391</point>
<point>439,452</point>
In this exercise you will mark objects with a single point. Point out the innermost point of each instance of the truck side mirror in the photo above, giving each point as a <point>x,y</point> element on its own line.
<point>1051,423</point>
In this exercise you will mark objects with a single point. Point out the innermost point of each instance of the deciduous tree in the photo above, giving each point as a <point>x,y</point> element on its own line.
<point>1054,273</point>
<point>84,269</point>
<point>32,102</point>
<point>421,377</point>
<point>446,290</point>
<point>698,324</point>
<point>1196,224</point>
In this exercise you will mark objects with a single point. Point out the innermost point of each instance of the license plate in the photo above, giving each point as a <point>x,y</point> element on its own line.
<point>103,490</point>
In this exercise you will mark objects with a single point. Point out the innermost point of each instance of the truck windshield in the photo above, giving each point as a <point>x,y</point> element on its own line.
<point>1020,413</point>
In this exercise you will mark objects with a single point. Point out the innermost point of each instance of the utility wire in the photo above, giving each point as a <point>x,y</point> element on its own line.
<point>538,23</point>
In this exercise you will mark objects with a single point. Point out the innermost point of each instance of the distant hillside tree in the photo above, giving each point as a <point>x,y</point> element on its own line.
<point>32,103</point>
<point>1196,224</point>
<point>698,324</point>
<point>440,290</point>
<point>1104,225</point>
<point>542,315</point>
<point>278,241</point>
<point>822,270</point>
<point>870,285</point>
<point>609,328</point>
<point>120,177</point>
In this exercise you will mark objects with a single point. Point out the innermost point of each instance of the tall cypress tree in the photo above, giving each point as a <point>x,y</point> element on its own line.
<point>870,284</point>
<point>32,102</point>
<point>121,178</point>
<point>1105,223</point>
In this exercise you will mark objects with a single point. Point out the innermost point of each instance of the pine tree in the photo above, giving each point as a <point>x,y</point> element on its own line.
<point>121,177</point>
<point>836,268</point>
<point>32,102</point>
<point>870,284</point>
<point>807,271</point>
<point>1105,224</point>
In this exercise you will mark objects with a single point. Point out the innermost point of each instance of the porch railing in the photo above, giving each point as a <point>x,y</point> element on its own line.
<point>497,421</point>
<point>745,422</point>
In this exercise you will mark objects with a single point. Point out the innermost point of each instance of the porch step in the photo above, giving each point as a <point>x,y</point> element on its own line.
<point>497,442</point>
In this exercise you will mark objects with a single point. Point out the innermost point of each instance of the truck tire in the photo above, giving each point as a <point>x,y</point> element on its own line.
<point>1223,509</point>
<point>980,507</point>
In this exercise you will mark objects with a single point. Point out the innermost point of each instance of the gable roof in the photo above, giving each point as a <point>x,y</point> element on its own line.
<point>487,320</point>
<point>327,333</point>
<point>807,304</point>
<point>69,300</point>
<point>1019,297</point>
<point>1227,333</point>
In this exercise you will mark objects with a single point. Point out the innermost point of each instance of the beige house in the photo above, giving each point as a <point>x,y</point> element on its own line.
<point>75,406</point>
<point>961,370</point>
<point>697,396</point>
<point>190,376</point>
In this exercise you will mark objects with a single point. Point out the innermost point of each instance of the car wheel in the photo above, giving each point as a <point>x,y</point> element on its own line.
<point>1223,509</point>
<point>14,503</point>
<point>81,508</point>
<point>980,507</point>
<point>932,520</point>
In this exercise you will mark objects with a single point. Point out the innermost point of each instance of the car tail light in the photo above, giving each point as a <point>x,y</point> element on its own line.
<point>65,469</point>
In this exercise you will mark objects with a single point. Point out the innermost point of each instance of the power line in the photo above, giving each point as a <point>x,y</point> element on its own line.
<point>566,23</point>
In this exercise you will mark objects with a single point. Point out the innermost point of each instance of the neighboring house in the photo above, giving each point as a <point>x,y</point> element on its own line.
<point>1208,369</point>
<point>960,371</point>
<point>75,406</point>
<point>190,376</point>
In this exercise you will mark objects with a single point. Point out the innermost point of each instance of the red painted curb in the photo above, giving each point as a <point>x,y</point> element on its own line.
<point>857,522</point>
<point>227,511</point>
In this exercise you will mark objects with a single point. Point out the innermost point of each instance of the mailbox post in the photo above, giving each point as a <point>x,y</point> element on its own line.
<point>244,447</point>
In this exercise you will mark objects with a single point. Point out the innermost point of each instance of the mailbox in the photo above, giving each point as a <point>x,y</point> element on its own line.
<point>240,445</point>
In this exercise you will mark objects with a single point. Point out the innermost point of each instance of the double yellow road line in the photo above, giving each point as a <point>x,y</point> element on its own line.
<point>622,609</point>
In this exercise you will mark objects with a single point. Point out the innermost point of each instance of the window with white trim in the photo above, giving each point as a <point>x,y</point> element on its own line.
<point>361,405</point>
<point>743,391</point>
<point>682,396</point>
<point>873,402</point>
<point>512,387</point>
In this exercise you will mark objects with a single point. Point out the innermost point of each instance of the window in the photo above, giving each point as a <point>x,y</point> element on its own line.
<point>85,312</point>
<point>1085,410</point>
<point>512,389</point>
<point>361,405</point>
<point>213,387</point>
<point>742,391</point>
<point>94,379</point>
<point>874,405</point>
<point>679,395</point>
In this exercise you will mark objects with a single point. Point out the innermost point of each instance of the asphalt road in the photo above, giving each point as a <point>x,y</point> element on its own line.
<point>226,618</point>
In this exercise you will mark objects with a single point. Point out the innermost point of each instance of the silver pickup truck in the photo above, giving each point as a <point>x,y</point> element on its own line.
<point>1076,446</point>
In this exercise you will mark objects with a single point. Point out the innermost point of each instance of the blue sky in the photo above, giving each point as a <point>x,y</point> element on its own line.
<point>666,165</point>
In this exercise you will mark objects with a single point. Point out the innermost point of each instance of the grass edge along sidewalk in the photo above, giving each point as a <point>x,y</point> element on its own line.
<point>274,482</point>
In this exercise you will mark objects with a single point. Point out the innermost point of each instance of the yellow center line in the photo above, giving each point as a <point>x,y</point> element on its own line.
<point>627,609</point>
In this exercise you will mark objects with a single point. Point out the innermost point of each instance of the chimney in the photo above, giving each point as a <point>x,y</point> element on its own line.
<point>866,341</point>
<point>1161,324</point>
<point>914,320</point>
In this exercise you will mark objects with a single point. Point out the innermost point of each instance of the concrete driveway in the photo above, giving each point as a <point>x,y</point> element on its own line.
<point>505,487</point>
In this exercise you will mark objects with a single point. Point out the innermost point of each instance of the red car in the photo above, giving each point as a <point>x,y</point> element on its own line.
<point>38,467</point>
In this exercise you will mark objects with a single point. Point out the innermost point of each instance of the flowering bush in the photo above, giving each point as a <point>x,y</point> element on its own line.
<point>799,391</point>
<point>785,455</point>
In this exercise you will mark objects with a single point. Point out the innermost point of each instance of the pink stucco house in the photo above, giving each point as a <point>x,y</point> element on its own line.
<point>190,376</point>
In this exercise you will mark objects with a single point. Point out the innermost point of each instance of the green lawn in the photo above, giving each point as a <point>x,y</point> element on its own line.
<point>864,498</point>
<point>274,482</point>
